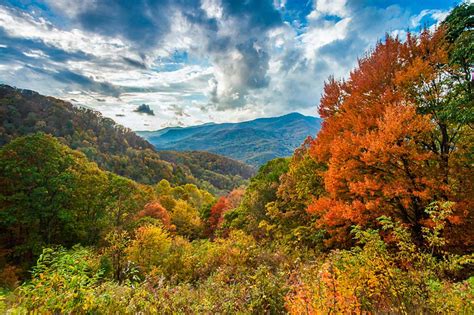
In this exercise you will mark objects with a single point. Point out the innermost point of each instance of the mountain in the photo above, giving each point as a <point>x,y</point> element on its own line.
<point>113,147</point>
<point>253,142</point>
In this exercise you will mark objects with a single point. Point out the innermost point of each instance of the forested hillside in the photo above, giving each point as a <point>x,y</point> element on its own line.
<point>252,142</point>
<point>111,146</point>
<point>374,215</point>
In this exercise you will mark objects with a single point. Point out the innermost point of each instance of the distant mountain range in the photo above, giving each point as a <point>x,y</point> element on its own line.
<point>253,142</point>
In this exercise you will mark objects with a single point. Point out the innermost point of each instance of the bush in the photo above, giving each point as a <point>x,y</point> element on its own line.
<point>372,277</point>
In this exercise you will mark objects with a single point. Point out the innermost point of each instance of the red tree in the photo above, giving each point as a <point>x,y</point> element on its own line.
<point>217,211</point>
<point>156,211</point>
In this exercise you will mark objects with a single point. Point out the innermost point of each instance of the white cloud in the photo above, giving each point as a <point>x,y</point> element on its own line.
<point>332,7</point>
<point>23,25</point>
<point>323,34</point>
<point>437,15</point>
<point>231,71</point>
<point>34,53</point>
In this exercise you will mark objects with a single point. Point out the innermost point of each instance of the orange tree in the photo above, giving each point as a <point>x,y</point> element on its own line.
<point>396,137</point>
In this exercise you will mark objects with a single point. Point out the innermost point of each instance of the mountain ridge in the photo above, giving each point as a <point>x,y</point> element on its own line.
<point>113,147</point>
<point>253,142</point>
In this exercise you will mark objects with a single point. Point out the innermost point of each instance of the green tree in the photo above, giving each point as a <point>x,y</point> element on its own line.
<point>49,194</point>
<point>261,190</point>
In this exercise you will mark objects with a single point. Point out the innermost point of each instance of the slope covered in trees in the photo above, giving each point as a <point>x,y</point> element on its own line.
<point>374,215</point>
<point>253,142</point>
<point>52,194</point>
<point>111,146</point>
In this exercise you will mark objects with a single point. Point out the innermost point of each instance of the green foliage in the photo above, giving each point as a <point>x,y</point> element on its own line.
<point>261,190</point>
<point>302,183</point>
<point>113,147</point>
<point>460,34</point>
<point>53,195</point>
<point>63,281</point>
<point>212,170</point>
<point>50,195</point>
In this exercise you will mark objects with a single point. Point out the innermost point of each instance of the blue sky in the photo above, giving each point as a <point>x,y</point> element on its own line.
<point>195,61</point>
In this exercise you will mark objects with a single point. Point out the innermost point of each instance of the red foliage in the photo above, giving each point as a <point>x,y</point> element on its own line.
<point>157,211</point>
<point>217,211</point>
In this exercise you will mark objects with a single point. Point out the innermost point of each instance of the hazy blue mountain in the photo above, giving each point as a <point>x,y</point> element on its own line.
<point>253,142</point>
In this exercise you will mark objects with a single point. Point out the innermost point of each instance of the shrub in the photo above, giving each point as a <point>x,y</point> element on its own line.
<point>373,277</point>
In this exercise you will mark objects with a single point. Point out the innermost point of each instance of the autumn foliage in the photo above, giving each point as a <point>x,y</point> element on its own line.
<point>156,211</point>
<point>225,203</point>
<point>388,140</point>
<point>372,216</point>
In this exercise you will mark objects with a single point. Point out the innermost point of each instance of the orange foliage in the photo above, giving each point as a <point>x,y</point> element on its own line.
<point>234,197</point>
<point>157,211</point>
<point>374,138</point>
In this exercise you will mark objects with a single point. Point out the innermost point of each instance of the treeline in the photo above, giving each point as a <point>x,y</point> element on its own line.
<point>113,147</point>
<point>374,215</point>
<point>216,170</point>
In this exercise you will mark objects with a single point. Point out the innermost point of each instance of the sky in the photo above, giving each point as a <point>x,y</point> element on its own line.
<point>196,61</point>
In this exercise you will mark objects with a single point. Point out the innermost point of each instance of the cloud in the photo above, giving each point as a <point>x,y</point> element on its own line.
<point>178,110</point>
<point>331,7</point>
<point>223,30</point>
<point>194,60</point>
<point>135,63</point>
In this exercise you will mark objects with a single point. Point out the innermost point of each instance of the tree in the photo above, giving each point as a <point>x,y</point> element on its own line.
<point>186,219</point>
<point>156,211</point>
<point>124,199</point>
<point>261,190</point>
<point>49,194</point>
<point>298,187</point>
<point>149,247</point>
<point>216,215</point>
<point>389,140</point>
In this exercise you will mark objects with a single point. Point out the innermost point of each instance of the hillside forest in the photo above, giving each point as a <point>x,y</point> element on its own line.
<point>372,215</point>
